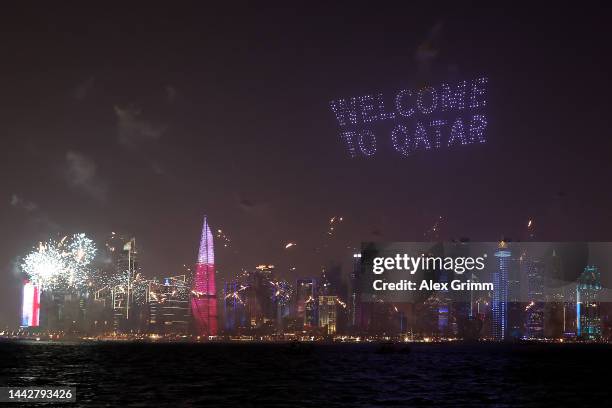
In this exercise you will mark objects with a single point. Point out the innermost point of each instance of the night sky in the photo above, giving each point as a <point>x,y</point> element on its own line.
<point>140,120</point>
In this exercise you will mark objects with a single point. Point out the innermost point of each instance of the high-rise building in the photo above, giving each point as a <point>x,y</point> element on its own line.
<point>306,304</point>
<point>355,291</point>
<point>257,292</point>
<point>204,299</point>
<point>30,310</point>
<point>515,326</point>
<point>462,320</point>
<point>555,308</point>
<point>257,300</point>
<point>234,306</point>
<point>499,301</point>
<point>169,310</point>
<point>361,304</point>
<point>588,320</point>
<point>534,323</point>
<point>328,313</point>
<point>65,310</point>
<point>282,295</point>
<point>122,272</point>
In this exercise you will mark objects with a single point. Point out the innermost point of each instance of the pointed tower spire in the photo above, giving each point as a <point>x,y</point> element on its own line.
<point>206,254</point>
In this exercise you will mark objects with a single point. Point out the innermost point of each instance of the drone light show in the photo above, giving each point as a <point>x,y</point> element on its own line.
<point>432,117</point>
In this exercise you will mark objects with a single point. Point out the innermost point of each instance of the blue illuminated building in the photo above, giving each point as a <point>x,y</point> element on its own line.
<point>234,306</point>
<point>499,301</point>
<point>443,306</point>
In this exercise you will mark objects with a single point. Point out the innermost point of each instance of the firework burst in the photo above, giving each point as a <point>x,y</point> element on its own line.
<point>223,238</point>
<point>334,222</point>
<point>60,264</point>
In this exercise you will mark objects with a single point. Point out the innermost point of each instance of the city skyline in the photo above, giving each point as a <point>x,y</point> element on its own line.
<point>143,148</point>
<point>305,204</point>
<point>534,285</point>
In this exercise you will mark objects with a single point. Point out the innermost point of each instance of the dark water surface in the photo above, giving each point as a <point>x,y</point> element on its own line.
<point>352,375</point>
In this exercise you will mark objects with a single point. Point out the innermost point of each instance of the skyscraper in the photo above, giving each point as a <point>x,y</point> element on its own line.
<point>121,272</point>
<point>328,313</point>
<point>535,308</point>
<point>168,303</point>
<point>306,304</point>
<point>355,291</point>
<point>499,302</point>
<point>30,305</point>
<point>588,321</point>
<point>204,296</point>
<point>234,315</point>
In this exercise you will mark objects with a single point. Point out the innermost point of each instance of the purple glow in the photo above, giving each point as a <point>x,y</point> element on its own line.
<point>206,254</point>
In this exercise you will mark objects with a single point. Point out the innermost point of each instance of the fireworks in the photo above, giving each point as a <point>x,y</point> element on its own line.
<point>281,291</point>
<point>139,289</point>
<point>173,287</point>
<point>61,264</point>
<point>82,249</point>
<point>45,265</point>
<point>433,233</point>
<point>531,229</point>
<point>333,225</point>
<point>223,238</point>
<point>238,294</point>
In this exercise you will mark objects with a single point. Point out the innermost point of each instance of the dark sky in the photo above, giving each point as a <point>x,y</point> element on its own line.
<point>141,119</point>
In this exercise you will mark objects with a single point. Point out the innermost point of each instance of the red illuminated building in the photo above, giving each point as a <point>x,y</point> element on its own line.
<point>204,297</point>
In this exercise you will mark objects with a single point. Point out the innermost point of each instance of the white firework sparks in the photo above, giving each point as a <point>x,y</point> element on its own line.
<point>45,265</point>
<point>61,264</point>
<point>222,236</point>
<point>333,224</point>
<point>82,251</point>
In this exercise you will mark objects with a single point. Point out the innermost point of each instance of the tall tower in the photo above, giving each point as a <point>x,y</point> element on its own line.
<point>204,295</point>
<point>588,321</point>
<point>499,303</point>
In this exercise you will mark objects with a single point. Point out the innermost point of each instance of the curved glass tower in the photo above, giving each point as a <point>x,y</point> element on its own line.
<point>204,295</point>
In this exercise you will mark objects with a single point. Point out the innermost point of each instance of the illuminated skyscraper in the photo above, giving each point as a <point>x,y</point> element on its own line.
<point>354,303</point>
<point>588,321</point>
<point>328,313</point>
<point>168,303</point>
<point>234,313</point>
<point>535,308</point>
<point>121,273</point>
<point>204,297</point>
<point>282,294</point>
<point>515,321</point>
<point>31,305</point>
<point>499,301</point>
<point>306,304</point>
